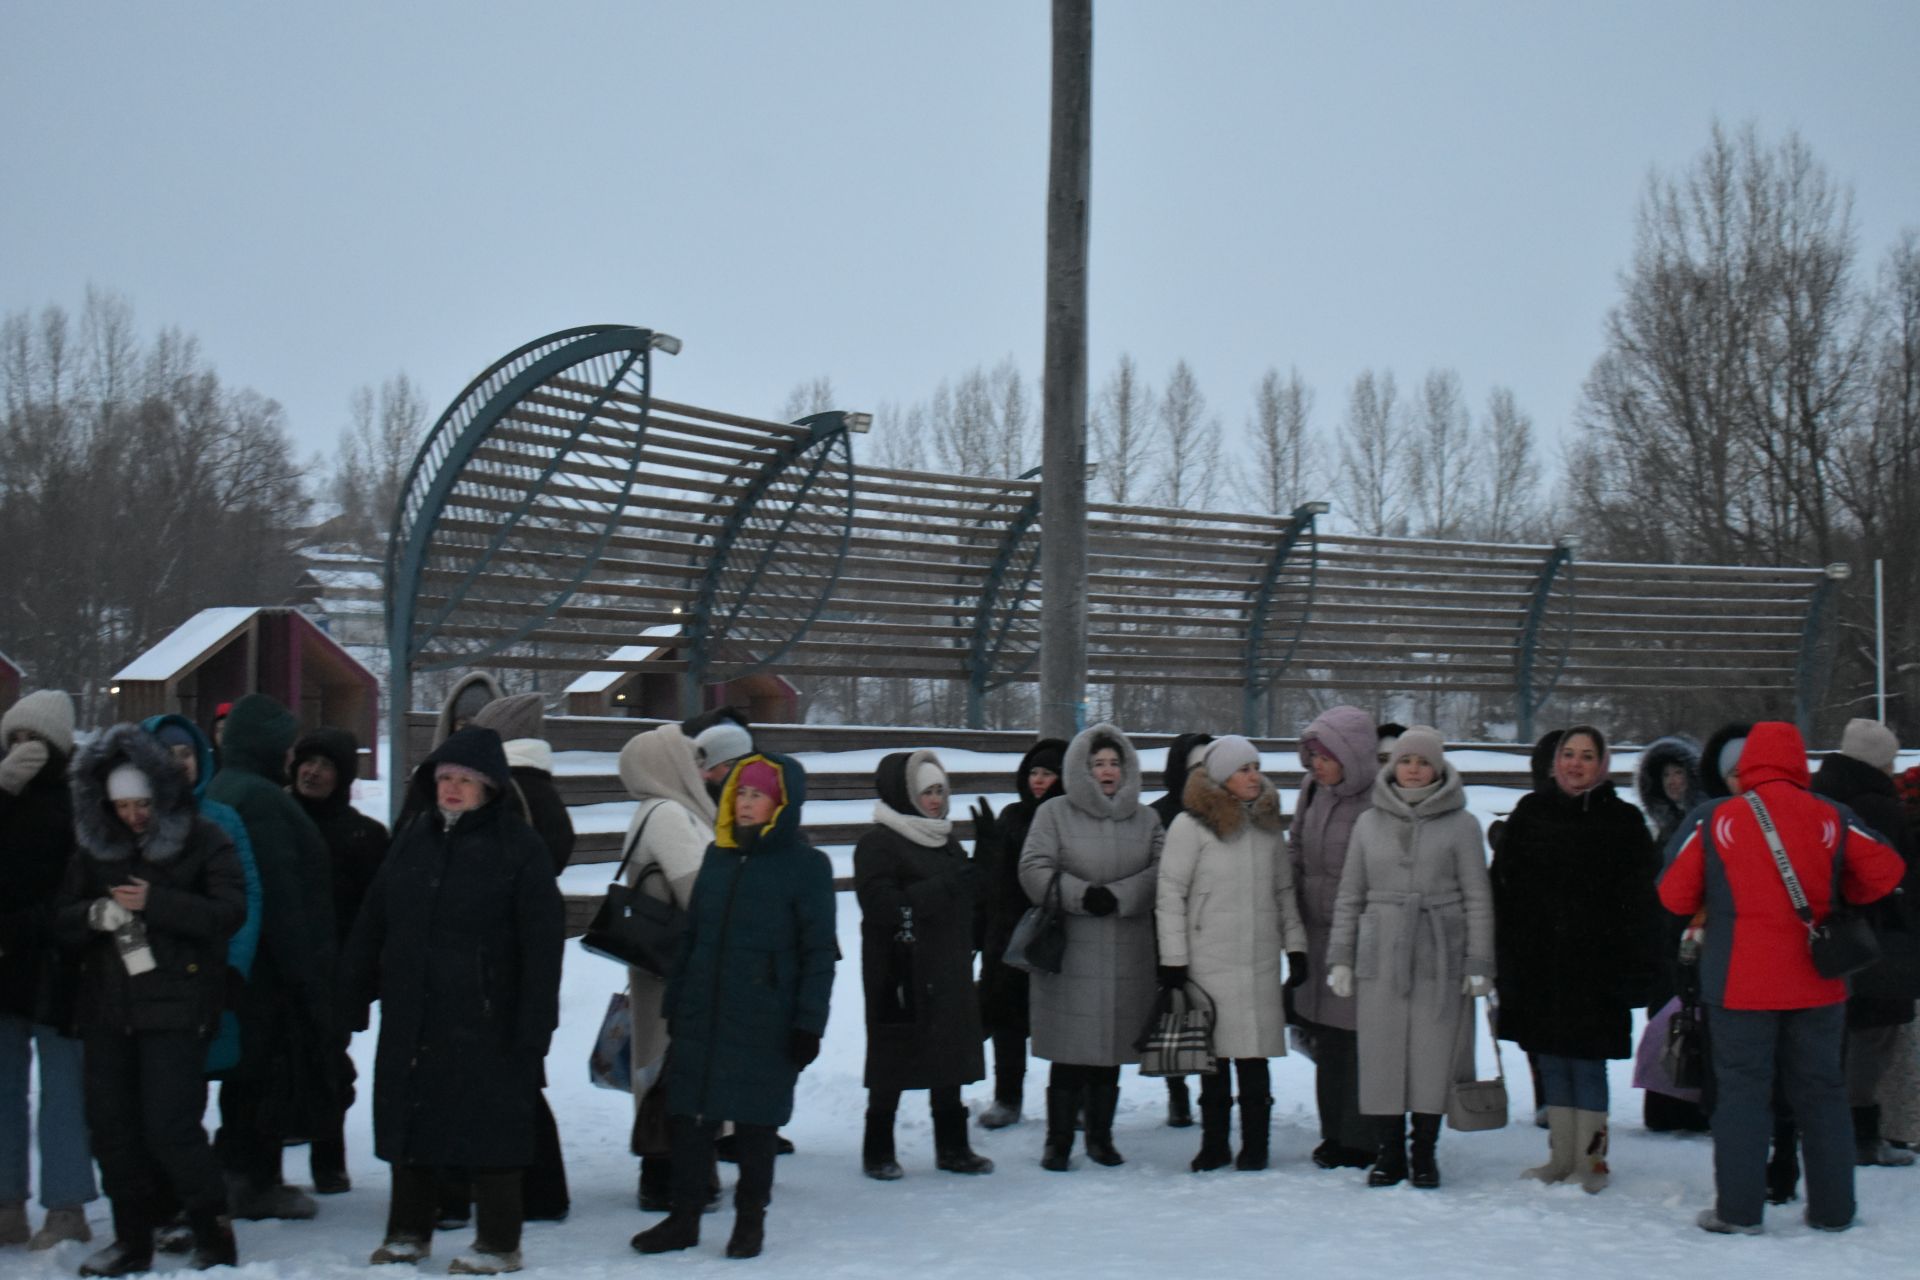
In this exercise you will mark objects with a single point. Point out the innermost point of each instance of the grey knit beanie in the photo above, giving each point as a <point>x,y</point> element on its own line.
<point>1224,757</point>
<point>47,714</point>
<point>1870,742</point>
<point>1424,742</point>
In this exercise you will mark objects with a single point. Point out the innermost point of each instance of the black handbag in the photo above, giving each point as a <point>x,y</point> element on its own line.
<point>1844,943</point>
<point>1685,1053</point>
<point>634,927</point>
<point>1039,941</point>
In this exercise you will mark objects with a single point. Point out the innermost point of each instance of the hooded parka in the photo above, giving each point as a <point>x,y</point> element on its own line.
<point>1649,782</point>
<point>357,843</point>
<point>1226,909</point>
<point>459,939</point>
<point>36,843</point>
<point>918,910</point>
<point>756,964</point>
<point>1881,995</point>
<point>1003,989</point>
<point>1323,821</point>
<point>1414,919</point>
<point>1090,1012</point>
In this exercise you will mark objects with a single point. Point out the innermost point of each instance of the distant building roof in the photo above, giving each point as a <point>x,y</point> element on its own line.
<point>188,641</point>
<point>601,681</point>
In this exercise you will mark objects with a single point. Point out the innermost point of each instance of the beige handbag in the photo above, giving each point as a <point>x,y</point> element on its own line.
<point>1478,1105</point>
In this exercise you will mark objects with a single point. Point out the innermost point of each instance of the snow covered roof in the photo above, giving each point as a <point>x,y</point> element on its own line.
<point>10,664</point>
<point>188,641</point>
<point>346,579</point>
<point>601,681</point>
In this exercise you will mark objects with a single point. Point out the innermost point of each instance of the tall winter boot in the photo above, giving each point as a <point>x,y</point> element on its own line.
<point>750,1228</point>
<point>213,1244</point>
<point>132,1249</point>
<point>1423,1165</point>
<point>327,1162</point>
<point>680,1229</point>
<point>1783,1166</point>
<point>876,1149</point>
<point>1179,1103</point>
<point>1590,1151</point>
<point>1216,1133</point>
<point>1869,1148</point>
<point>1255,1117</point>
<point>951,1151</point>
<point>1063,1107</point>
<point>1560,1147</point>
<point>1103,1099</point>
<point>1390,1166</point>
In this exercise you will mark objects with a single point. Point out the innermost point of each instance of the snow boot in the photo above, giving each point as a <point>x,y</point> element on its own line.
<point>175,1235</point>
<point>251,1201</point>
<point>876,1149</point>
<point>1063,1104</point>
<point>131,1251</point>
<point>1103,1099</point>
<point>484,1262</point>
<point>750,1227</point>
<point>951,1152</point>
<point>327,1161</point>
<point>1590,1148</point>
<point>1179,1103</point>
<point>1216,1135</point>
<point>1869,1149</point>
<point>13,1223</point>
<point>61,1226</point>
<point>1255,1115</point>
<point>401,1249</point>
<point>1422,1165</point>
<point>1783,1166</point>
<point>1000,1114</point>
<point>213,1244</point>
<point>1336,1155</point>
<point>1560,1147</point>
<point>1390,1166</point>
<point>1710,1220</point>
<point>678,1230</point>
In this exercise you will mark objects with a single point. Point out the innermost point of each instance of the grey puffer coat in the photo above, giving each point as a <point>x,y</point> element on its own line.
<point>1226,909</point>
<point>1414,920</point>
<point>1317,842</point>
<point>1091,1011</point>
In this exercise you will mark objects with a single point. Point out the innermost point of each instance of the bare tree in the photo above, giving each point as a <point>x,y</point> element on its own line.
<point>1373,464</point>
<point>815,395</point>
<point>1443,467</point>
<point>1123,445</point>
<point>384,432</point>
<point>1509,505</point>
<point>1189,443</point>
<point>1286,461</point>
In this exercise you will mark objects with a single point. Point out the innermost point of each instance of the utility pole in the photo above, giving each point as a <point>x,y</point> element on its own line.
<point>1063,478</point>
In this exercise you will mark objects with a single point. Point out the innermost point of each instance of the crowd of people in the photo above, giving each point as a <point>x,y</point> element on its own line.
<point>177,909</point>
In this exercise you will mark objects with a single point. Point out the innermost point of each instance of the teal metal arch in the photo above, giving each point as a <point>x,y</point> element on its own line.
<point>1017,560</point>
<point>777,502</point>
<point>1261,669</point>
<point>1810,673</point>
<point>1529,698</point>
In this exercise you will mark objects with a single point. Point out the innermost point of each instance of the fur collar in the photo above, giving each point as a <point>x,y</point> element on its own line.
<point>1213,808</point>
<point>98,830</point>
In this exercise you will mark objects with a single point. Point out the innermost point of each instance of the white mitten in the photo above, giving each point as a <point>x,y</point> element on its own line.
<point>22,764</point>
<point>1477,985</point>
<point>106,915</point>
<point>1340,979</point>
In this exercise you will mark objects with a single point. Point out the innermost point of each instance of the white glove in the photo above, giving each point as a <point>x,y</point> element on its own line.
<point>27,758</point>
<point>1477,985</point>
<point>106,915</point>
<point>1340,980</point>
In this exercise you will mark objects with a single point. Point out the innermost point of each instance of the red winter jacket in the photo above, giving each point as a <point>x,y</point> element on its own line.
<point>1755,952</point>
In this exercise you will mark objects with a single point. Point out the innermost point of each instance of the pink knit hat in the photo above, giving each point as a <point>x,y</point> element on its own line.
<point>762,777</point>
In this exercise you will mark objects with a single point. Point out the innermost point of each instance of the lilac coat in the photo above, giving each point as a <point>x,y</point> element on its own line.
<point>1317,842</point>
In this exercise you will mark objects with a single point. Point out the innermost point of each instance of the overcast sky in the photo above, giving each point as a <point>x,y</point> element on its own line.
<point>327,194</point>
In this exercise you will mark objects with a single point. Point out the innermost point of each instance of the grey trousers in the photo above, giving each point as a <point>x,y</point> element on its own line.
<point>1870,1051</point>
<point>1803,1048</point>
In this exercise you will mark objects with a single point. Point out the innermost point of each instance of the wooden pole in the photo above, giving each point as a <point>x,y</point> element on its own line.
<point>1063,476</point>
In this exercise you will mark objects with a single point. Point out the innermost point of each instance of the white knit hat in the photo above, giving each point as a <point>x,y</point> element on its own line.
<point>721,742</point>
<point>47,714</point>
<point>929,774</point>
<point>129,782</point>
<point>1226,756</point>
<point>1870,742</point>
<point>1422,741</point>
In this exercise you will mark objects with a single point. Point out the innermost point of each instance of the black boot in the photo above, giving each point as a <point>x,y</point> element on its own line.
<point>327,1161</point>
<point>1063,1105</point>
<point>678,1230</point>
<point>1421,1162</point>
<point>951,1151</point>
<point>1216,1134</point>
<point>1103,1099</point>
<point>1179,1103</point>
<point>131,1251</point>
<point>1255,1115</point>
<point>1390,1166</point>
<point>876,1149</point>
<point>213,1244</point>
<point>749,1232</point>
<point>1783,1169</point>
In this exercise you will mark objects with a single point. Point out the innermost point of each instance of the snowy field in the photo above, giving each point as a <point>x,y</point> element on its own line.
<point>1151,1217</point>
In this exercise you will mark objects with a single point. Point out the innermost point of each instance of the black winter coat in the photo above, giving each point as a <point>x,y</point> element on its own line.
<point>1883,995</point>
<point>547,813</point>
<point>460,939</point>
<point>36,843</point>
<point>1003,990</point>
<point>196,896</point>
<point>918,908</point>
<point>1576,922</point>
<point>356,843</point>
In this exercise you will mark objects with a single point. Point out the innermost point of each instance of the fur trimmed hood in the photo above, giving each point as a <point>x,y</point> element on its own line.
<point>1209,804</point>
<point>1649,775</point>
<point>1077,780</point>
<point>98,829</point>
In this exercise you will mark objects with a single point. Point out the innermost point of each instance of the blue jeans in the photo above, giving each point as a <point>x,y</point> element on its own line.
<point>66,1159</point>
<point>1580,1083</point>
<point>1799,1050</point>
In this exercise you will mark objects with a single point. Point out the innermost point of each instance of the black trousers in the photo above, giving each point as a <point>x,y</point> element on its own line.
<point>414,1205</point>
<point>1255,1081</point>
<point>1009,1066</point>
<point>888,1100</point>
<point>145,1094</point>
<point>1336,1088</point>
<point>693,1161</point>
<point>245,1149</point>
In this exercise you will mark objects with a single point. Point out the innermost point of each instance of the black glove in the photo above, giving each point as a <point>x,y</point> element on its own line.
<point>803,1047</point>
<point>1099,901</point>
<point>983,826</point>
<point>1297,968</point>
<point>1172,976</point>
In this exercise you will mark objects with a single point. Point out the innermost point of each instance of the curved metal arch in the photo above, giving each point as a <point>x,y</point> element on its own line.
<point>1809,684</point>
<point>1528,699</point>
<point>988,641</point>
<point>826,445</point>
<point>1257,682</point>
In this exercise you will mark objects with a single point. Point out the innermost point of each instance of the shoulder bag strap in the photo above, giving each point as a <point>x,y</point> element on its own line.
<point>1493,1028</point>
<point>1794,891</point>
<point>634,842</point>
